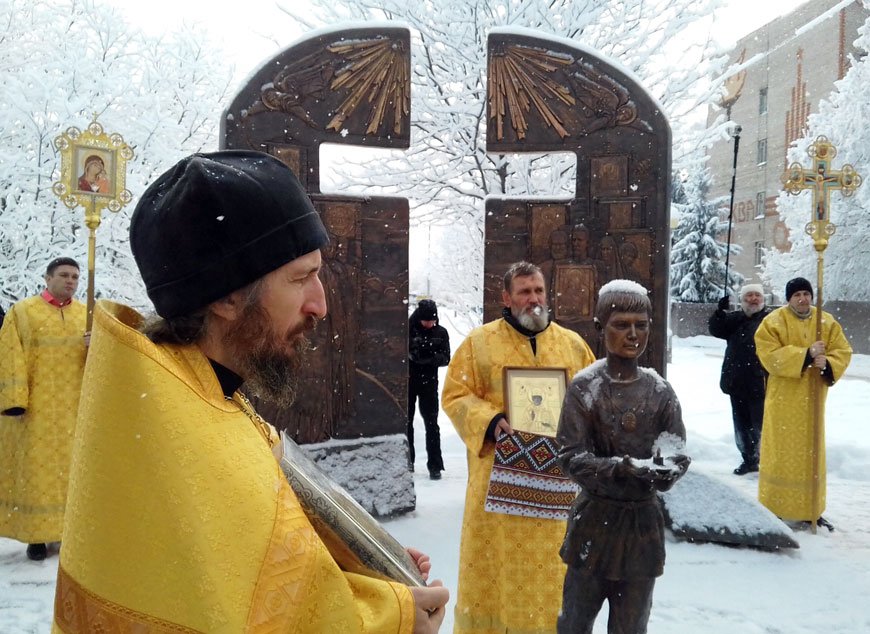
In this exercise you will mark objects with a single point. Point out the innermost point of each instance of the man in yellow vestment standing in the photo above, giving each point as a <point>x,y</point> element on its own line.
<point>786,345</point>
<point>42,358</point>
<point>510,573</point>
<point>179,517</point>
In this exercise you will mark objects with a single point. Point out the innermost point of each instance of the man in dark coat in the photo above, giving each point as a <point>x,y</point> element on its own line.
<point>743,377</point>
<point>428,350</point>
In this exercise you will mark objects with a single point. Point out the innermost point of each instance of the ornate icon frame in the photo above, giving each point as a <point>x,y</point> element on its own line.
<point>76,148</point>
<point>550,381</point>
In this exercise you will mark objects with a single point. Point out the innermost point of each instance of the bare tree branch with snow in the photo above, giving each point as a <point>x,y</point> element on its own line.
<point>447,173</point>
<point>61,62</point>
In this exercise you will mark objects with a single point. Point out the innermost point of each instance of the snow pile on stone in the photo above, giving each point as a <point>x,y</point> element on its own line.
<point>703,508</point>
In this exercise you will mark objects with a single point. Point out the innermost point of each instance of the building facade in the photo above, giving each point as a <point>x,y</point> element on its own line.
<point>785,69</point>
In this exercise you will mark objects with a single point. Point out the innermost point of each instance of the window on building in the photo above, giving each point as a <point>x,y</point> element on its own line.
<point>762,101</point>
<point>760,202</point>
<point>762,151</point>
<point>759,252</point>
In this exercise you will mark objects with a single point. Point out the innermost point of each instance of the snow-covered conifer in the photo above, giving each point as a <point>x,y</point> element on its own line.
<point>697,255</point>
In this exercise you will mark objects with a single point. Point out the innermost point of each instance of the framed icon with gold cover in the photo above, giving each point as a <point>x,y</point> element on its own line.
<point>533,398</point>
<point>93,170</point>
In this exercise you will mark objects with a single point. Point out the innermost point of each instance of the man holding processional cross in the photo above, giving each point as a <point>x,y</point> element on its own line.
<point>804,351</point>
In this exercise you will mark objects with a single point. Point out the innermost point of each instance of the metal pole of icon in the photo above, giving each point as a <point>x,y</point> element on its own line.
<point>821,180</point>
<point>732,90</point>
<point>737,130</point>
<point>93,175</point>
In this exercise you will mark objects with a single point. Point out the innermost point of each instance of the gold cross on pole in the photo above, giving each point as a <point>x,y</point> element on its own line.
<point>821,179</point>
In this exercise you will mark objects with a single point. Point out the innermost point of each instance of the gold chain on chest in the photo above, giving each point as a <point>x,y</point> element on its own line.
<point>262,426</point>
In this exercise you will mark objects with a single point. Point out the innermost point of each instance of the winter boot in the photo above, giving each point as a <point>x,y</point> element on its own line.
<point>36,552</point>
<point>745,468</point>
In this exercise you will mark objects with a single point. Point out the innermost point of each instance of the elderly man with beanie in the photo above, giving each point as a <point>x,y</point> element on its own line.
<point>790,351</point>
<point>179,518</point>
<point>428,350</point>
<point>743,377</point>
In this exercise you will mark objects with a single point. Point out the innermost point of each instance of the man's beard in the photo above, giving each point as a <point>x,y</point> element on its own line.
<point>270,363</point>
<point>527,318</point>
<point>750,310</point>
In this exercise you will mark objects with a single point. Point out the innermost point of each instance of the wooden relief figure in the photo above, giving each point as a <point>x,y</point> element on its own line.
<point>350,87</point>
<point>545,220</point>
<point>546,96</point>
<point>573,300</point>
<point>609,176</point>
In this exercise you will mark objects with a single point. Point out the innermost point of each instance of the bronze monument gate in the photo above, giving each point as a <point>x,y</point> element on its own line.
<point>353,87</point>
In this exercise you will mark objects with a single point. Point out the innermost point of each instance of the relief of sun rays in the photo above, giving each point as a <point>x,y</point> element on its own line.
<point>376,71</point>
<point>519,77</point>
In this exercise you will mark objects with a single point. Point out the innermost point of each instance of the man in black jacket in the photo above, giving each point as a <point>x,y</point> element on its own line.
<point>428,350</point>
<point>743,377</point>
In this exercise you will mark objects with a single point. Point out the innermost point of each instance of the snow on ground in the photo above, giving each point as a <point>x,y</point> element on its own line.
<point>706,589</point>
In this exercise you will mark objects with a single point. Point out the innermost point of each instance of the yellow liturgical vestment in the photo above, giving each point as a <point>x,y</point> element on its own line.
<point>510,572</point>
<point>42,358</point>
<point>179,518</point>
<point>785,478</point>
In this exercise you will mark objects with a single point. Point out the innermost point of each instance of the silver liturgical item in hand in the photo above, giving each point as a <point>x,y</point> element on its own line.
<point>330,508</point>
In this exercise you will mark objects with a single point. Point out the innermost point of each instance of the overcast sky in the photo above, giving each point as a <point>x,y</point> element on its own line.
<point>261,29</point>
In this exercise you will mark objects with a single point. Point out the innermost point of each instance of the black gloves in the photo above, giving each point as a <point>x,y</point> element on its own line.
<point>724,303</point>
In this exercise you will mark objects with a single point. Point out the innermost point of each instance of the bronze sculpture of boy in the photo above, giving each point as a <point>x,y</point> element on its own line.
<point>616,418</point>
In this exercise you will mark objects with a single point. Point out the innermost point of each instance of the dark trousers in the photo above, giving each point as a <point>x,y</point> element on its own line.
<point>747,415</point>
<point>584,593</point>
<point>427,391</point>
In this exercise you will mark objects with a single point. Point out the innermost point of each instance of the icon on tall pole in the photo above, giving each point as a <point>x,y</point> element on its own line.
<point>93,175</point>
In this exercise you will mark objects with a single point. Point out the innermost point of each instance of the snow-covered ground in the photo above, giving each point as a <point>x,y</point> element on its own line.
<point>822,587</point>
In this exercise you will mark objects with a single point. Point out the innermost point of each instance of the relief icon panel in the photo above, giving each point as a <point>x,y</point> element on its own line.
<point>351,87</point>
<point>546,96</point>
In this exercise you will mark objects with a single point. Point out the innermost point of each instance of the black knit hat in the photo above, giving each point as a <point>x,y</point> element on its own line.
<point>797,284</point>
<point>216,222</point>
<point>426,310</point>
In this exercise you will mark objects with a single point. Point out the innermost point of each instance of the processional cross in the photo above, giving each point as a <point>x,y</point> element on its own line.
<point>821,180</point>
<point>93,174</point>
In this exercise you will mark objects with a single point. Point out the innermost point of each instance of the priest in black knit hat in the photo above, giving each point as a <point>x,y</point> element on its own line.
<point>179,517</point>
<point>794,356</point>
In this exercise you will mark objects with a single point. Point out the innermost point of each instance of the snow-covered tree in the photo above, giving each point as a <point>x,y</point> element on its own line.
<point>447,163</point>
<point>60,62</point>
<point>842,118</point>
<point>697,255</point>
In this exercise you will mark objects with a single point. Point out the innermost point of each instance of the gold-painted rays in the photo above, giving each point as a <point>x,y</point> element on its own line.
<point>518,78</point>
<point>377,72</point>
